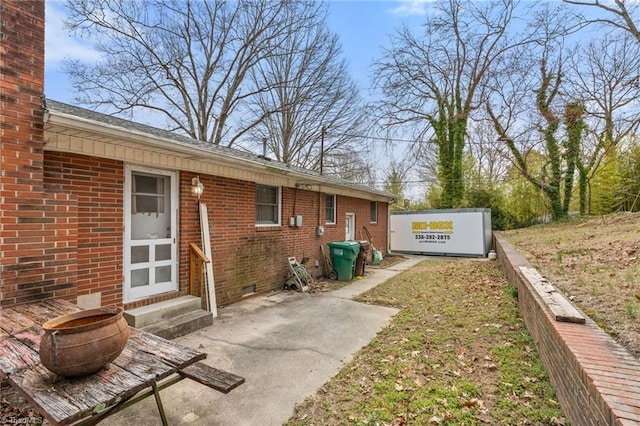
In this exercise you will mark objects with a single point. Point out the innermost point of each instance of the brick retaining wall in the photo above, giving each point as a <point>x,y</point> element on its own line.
<point>596,380</point>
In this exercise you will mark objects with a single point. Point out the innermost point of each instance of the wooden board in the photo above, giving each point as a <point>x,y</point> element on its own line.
<point>62,307</point>
<point>63,401</point>
<point>558,305</point>
<point>212,377</point>
<point>26,332</point>
<point>14,356</point>
<point>20,333</point>
<point>206,244</point>
<point>144,365</point>
<point>172,353</point>
<point>14,322</point>
<point>40,312</point>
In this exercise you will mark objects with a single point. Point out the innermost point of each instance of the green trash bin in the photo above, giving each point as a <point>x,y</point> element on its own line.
<point>343,255</point>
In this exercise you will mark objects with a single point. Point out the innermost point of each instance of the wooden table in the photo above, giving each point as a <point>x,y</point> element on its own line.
<point>146,365</point>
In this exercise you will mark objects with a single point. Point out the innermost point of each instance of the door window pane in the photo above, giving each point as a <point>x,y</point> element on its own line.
<point>139,254</point>
<point>163,274</point>
<point>150,206</point>
<point>347,228</point>
<point>163,252</point>
<point>147,184</point>
<point>145,204</point>
<point>148,194</point>
<point>139,277</point>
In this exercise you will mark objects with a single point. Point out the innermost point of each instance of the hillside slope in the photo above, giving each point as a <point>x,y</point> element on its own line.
<point>594,261</point>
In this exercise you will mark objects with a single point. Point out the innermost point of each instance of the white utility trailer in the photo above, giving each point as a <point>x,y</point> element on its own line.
<point>451,232</point>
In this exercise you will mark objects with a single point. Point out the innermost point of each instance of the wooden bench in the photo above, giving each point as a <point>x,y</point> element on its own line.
<point>212,377</point>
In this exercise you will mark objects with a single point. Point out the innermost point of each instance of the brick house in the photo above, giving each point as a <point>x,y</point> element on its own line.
<point>100,210</point>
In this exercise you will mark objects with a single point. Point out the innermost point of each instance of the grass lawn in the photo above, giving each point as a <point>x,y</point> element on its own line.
<point>457,353</point>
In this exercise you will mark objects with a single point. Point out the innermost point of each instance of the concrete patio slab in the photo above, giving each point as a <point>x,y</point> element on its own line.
<point>286,345</point>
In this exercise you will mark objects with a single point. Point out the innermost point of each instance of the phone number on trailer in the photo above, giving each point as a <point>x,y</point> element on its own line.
<point>432,237</point>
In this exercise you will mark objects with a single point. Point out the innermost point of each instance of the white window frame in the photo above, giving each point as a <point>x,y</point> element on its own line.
<point>279,206</point>
<point>331,221</point>
<point>371,204</point>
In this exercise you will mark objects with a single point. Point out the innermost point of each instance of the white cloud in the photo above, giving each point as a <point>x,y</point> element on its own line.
<point>412,8</point>
<point>58,42</point>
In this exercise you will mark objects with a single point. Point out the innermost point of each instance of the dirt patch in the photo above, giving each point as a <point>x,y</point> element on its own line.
<point>594,262</point>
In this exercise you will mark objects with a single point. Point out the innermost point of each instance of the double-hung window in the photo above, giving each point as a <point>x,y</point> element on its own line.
<point>330,209</point>
<point>267,205</point>
<point>373,209</point>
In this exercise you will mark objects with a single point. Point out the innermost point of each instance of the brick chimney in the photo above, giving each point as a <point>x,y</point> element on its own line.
<point>38,229</point>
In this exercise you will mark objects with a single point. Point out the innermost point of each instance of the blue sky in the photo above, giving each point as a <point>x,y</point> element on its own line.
<point>363,26</point>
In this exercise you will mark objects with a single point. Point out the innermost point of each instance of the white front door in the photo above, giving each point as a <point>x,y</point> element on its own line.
<point>350,227</point>
<point>150,220</point>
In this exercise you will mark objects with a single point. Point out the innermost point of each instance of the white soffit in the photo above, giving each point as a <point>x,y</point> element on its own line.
<point>71,134</point>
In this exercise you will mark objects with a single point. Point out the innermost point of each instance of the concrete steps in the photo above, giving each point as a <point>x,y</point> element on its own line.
<point>171,318</point>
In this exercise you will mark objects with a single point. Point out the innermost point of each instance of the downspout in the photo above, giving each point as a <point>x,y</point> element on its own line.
<point>295,199</point>
<point>389,223</point>
<point>319,205</point>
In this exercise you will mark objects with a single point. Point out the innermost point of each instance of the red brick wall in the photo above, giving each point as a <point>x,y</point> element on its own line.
<point>596,380</point>
<point>243,254</point>
<point>38,229</point>
<point>98,186</point>
<point>246,255</point>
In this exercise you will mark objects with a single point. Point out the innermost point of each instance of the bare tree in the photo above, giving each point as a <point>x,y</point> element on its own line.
<point>352,166</point>
<point>435,80</point>
<point>490,155</point>
<point>619,14</point>
<point>185,62</point>
<point>313,106</point>
<point>395,178</point>
<point>603,76</point>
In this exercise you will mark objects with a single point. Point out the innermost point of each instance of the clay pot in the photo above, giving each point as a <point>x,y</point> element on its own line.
<point>83,342</point>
